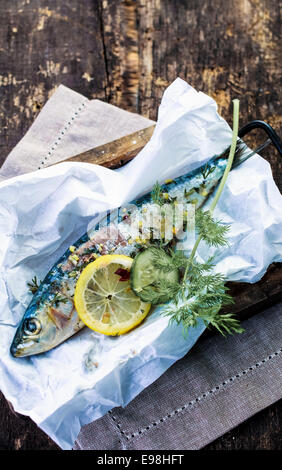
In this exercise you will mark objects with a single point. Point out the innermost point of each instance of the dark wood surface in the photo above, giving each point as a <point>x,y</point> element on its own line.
<point>126,53</point>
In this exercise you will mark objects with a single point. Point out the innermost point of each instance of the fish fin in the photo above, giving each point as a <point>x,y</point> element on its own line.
<point>242,153</point>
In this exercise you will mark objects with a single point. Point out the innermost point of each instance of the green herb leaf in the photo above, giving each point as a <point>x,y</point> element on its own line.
<point>201,293</point>
<point>33,285</point>
<point>160,292</point>
<point>164,262</point>
<point>213,232</point>
<point>57,299</point>
<point>156,194</point>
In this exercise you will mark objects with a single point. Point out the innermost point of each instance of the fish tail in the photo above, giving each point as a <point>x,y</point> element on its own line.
<point>242,153</point>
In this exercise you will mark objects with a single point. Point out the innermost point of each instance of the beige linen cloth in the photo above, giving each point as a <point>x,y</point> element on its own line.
<point>222,381</point>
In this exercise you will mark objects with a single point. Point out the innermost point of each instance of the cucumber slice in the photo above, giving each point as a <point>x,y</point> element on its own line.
<point>144,276</point>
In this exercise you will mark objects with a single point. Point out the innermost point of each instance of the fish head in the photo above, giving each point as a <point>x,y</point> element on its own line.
<point>35,333</point>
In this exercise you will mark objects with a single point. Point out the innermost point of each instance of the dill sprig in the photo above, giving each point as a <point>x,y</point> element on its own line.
<point>213,232</point>
<point>157,195</point>
<point>206,171</point>
<point>190,313</point>
<point>33,285</point>
<point>57,299</point>
<point>166,263</point>
<point>200,295</point>
<point>160,292</point>
<point>202,292</point>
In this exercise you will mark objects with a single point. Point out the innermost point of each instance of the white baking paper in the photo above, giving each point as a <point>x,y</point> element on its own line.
<point>43,212</point>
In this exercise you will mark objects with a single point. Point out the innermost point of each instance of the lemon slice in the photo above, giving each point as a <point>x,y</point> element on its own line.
<point>104,299</point>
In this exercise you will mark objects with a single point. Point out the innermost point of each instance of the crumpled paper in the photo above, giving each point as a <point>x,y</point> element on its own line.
<point>43,212</point>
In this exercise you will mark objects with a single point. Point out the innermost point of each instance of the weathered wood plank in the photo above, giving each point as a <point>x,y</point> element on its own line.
<point>18,432</point>
<point>227,48</point>
<point>261,432</point>
<point>250,299</point>
<point>117,152</point>
<point>43,44</point>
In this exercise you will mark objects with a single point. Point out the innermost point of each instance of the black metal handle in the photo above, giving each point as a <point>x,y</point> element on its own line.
<point>267,128</point>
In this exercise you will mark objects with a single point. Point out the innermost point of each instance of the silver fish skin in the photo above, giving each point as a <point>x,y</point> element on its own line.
<point>51,317</point>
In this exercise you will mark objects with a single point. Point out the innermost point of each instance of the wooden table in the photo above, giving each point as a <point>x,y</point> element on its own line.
<point>127,52</point>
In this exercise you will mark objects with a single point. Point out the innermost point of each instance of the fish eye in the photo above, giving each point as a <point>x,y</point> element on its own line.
<point>32,326</point>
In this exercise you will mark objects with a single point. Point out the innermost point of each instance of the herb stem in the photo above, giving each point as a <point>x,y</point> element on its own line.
<point>223,179</point>
<point>201,292</point>
<point>231,154</point>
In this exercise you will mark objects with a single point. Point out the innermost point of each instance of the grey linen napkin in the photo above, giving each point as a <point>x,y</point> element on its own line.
<point>222,381</point>
<point>67,125</point>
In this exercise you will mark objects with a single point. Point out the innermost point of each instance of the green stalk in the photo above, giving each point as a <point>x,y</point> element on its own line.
<point>231,154</point>
<point>224,177</point>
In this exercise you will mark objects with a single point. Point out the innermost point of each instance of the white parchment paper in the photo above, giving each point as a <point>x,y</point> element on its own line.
<point>43,212</point>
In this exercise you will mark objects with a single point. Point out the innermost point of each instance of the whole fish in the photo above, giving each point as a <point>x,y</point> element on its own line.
<point>51,317</point>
